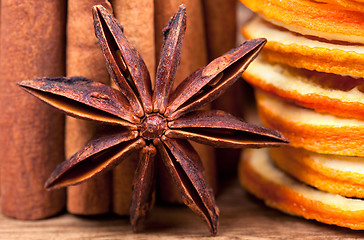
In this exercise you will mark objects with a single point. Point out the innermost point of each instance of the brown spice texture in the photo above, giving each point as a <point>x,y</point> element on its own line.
<point>193,56</point>
<point>31,133</point>
<point>137,19</point>
<point>221,27</point>
<point>85,58</point>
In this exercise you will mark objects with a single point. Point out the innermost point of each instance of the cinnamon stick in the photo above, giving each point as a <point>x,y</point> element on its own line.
<point>84,58</point>
<point>193,56</point>
<point>194,52</point>
<point>0,108</point>
<point>123,176</point>
<point>31,133</point>
<point>137,18</point>
<point>221,28</point>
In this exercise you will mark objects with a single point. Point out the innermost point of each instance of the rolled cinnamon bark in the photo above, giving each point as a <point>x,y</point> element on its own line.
<point>31,133</point>
<point>220,22</point>
<point>137,19</point>
<point>0,49</point>
<point>123,176</point>
<point>194,52</point>
<point>193,56</point>
<point>84,58</point>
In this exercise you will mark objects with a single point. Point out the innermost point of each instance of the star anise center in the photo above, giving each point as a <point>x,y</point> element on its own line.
<point>152,126</point>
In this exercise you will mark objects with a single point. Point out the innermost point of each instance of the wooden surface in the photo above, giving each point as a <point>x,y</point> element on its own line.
<point>242,217</point>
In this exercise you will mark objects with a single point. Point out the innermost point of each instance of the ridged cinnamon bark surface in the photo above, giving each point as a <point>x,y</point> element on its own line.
<point>123,176</point>
<point>194,52</point>
<point>193,56</point>
<point>31,133</point>
<point>84,58</point>
<point>220,22</point>
<point>137,19</point>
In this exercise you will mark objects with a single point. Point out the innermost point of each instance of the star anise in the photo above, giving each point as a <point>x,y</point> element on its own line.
<point>150,120</point>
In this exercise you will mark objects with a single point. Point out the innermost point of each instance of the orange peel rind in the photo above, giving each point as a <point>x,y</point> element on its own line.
<point>324,92</point>
<point>310,53</point>
<point>341,175</point>
<point>305,128</point>
<point>259,176</point>
<point>304,16</point>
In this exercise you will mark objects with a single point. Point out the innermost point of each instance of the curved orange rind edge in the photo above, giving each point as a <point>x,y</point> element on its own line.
<point>310,53</point>
<point>305,128</point>
<point>341,175</point>
<point>259,176</point>
<point>311,17</point>
<point>292,85</point>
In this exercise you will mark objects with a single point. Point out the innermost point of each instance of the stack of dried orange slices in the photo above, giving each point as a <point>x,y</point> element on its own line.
<point>309,84</point>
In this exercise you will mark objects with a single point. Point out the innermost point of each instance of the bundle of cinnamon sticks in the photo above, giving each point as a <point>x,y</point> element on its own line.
<point>34,138</point>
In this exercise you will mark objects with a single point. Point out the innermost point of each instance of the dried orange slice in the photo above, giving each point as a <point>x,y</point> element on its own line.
<point>305,128</point>
<point>324,92</point>
<point>352,5</point>
<point>313,18</point>
<point>341,175</point>
<point>310,53</point>
<point>261,178</point>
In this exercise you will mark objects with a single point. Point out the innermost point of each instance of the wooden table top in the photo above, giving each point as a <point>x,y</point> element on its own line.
<point>242,217</point>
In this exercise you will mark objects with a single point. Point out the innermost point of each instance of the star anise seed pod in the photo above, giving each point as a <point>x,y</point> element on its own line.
<point>150,120</point>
